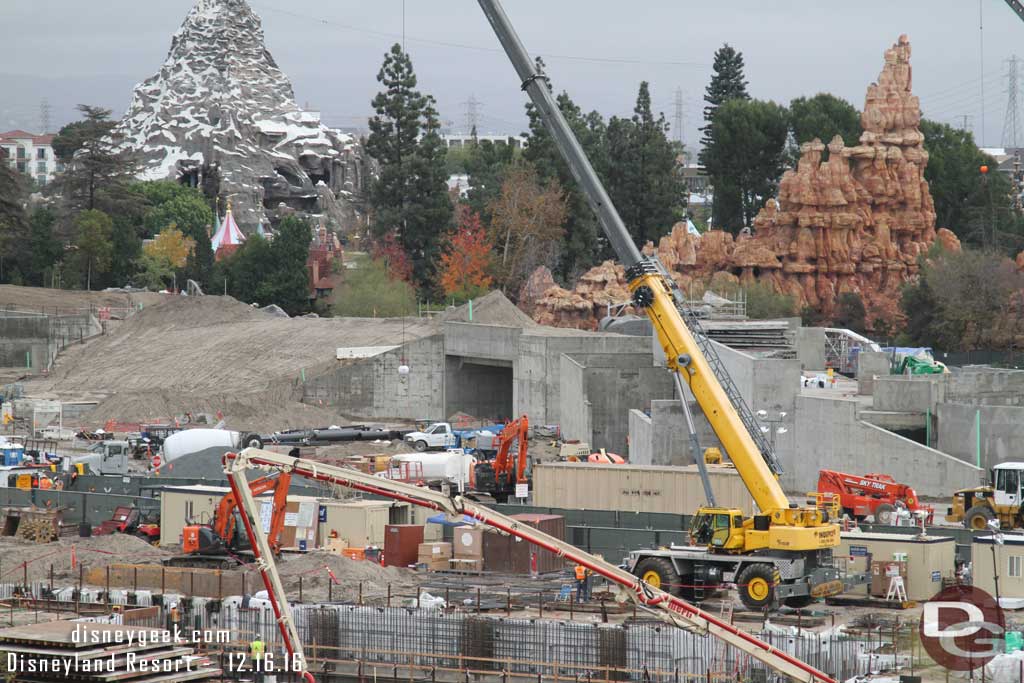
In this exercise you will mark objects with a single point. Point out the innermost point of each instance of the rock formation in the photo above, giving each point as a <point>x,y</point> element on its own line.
<point>855,222</point>
<point>222,116</point>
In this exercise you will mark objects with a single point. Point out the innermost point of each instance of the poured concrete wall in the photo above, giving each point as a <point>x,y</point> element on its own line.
<point>829,435</point>
<point>576,416</point>
<point>810,347</point>
<point>871,365</point>
<point>986,386</point>
<point>909,393</point>
<point>599,390</point>
<point>1002,432</point>
<point>373,388</point>
<point>32,341</point>
<point>538,364</point>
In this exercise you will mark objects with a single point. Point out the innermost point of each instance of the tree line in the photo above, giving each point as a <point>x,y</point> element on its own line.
<point>97,226</point>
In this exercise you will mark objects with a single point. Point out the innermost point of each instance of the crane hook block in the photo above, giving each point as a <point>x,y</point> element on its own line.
<point>643,296</point>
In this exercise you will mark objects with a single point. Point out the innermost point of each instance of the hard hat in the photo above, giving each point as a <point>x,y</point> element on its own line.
<point>173,605</point>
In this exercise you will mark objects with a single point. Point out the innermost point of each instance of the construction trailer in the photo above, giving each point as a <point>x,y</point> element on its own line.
<point>927,560</point>
<point>636,488</point>
<point>1008,563</point>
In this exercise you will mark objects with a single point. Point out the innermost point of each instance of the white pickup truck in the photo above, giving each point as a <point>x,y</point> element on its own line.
<point>437,435</point>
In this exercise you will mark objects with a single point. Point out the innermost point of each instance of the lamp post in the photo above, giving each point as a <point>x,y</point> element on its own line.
<point>997,539</point>
<point>772,425</point>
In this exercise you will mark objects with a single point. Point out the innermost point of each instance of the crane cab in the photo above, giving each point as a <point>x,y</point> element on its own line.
<point>720,529</point>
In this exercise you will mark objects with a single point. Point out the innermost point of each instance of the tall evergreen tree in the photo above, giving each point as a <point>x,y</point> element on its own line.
<point>727,83</point>
<point>745,159</point>
<point>14,243</point>
<point>46,250</point>
<point>97,174</point>
<point>644,182</point>
<point>584,244</point>
<point>410,194</point>
<point>824,116</point>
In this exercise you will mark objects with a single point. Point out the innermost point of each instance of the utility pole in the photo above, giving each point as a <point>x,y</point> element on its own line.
<point>473,106</point>
<point>677,118</point>
<point>981,67</point>
<point>44,116</point>
<point>1010,121</point>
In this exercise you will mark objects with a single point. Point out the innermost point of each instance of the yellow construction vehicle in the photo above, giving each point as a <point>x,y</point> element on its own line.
<point>1001,500</point>
<point>785,551</point>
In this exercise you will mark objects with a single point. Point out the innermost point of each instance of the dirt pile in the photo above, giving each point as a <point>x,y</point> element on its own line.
<point>491,309</point>
<point>95,551</point>
<point>349,575</point>
<point>64,300</point>
<point>210,354</point>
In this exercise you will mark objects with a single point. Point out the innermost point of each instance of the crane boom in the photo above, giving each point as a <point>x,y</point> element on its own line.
<point>1016,7</point>
<point>652,290</point>
<point>672,609</point>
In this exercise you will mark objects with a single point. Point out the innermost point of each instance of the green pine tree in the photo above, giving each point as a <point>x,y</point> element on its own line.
<point>14,232</point>
<point>745,158</point>
<point>46,249</point>
<point>727,83</point>
<point>410,195</point>
<point>824,116</point>
<point>97,174</point>
<point>644,182</point>
<point>584,243</point>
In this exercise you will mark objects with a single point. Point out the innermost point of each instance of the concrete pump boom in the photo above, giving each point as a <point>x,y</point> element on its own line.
<point>673,610</point>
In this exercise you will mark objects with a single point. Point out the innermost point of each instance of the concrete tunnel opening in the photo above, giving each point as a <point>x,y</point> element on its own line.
<point>481,387</point>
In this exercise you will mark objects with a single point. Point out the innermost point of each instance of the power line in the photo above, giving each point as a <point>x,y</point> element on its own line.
<point>477,48</point>
<point>1010,121</point>
<point>473,106</point>
<point>981,66</point>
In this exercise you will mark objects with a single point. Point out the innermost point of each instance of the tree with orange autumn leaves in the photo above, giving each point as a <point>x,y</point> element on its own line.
<point>464,270</point>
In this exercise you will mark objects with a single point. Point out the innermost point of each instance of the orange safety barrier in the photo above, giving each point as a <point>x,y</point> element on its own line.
<point>354,553</point>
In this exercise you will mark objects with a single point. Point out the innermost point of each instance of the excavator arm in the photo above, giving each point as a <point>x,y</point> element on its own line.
<point>515,431</point>
<point>224,517</point>
<point>672,609</point>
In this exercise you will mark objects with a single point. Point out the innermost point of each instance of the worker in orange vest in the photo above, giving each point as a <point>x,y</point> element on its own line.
<point>45,483</point>
<point>582,583</point>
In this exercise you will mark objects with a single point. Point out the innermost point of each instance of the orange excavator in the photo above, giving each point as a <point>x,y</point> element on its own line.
<point>498,477</point>
<point>219,544</point>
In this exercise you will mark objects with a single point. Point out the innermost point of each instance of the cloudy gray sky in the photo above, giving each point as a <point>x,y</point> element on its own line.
<point>69,51</point>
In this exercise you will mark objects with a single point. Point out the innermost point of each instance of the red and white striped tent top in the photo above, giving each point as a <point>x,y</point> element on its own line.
<point>228,237</point>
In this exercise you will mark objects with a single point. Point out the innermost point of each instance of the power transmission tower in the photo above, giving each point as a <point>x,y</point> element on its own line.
<point>44,116</point>
<point>1011,120</point>
<point>677,119</point>
<point>473,107</point>
<point>965,122</point>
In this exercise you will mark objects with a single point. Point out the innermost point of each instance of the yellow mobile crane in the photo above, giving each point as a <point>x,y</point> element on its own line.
<point>785,551</point>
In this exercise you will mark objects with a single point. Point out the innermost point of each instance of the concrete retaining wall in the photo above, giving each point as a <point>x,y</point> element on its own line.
<point>829,436</point>
<point>909,394</point>
<point>1002,432</point>
<point>871,365</point>
<point>598,390</point>
<point>810,347</point>
<point>986,386</point>
<point>372,388</point>
<point>32,341</point>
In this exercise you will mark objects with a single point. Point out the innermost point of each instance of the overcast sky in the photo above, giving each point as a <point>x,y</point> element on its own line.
<point>69,51</point>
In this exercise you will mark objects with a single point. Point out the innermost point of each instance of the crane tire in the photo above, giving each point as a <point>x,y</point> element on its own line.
<point>756,585</point>
<point>978,517</point>
<point>658,572</point>
<point>885,514</point>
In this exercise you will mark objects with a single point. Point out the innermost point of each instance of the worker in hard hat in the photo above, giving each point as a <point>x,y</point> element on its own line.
<point>257,652</point>
<point>582,583</point>
<point>174,617</point>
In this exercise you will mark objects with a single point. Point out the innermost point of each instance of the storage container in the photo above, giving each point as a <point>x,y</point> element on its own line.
<point>512,555</point>
<point>401,544</point>
<point>929,560</point>
<point>468,542</point>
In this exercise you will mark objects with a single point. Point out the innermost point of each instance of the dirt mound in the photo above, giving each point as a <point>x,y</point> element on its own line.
<point>68,301</point>
<point>95,551</point>
<point>210,354</point>
<point>491,309</point>
<point>349,574</point>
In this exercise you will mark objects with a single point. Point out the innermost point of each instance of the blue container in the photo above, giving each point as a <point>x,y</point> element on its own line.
<point>302,545</point>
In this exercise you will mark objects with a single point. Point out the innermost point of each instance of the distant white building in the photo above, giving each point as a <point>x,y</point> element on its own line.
<point>31,154</point>
<point>464,139</point>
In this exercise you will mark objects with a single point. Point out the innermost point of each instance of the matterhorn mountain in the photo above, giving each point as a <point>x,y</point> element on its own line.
<point>221,115</point>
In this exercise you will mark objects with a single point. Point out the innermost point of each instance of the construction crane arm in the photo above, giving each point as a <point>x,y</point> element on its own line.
<point>652,290</point>
<point>672,609</point>
<point>1016,7</point>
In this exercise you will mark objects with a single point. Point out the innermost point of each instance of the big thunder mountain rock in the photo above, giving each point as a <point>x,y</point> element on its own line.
<point>854,220</point>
